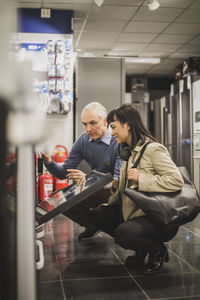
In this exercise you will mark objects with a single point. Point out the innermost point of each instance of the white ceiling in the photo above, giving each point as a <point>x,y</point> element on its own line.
<point>128,28</point>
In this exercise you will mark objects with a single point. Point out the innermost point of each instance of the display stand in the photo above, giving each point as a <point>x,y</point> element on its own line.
<point>68,197</point>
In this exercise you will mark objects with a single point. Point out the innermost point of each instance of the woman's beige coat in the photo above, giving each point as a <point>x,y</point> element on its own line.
<point>157,173</point>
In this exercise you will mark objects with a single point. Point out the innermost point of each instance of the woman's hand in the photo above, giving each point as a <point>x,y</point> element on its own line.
<point>115,184</point>
<point>133,174</point>
<point>77,176</point>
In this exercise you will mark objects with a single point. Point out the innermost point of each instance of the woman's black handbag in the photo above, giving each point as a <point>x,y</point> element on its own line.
<point>171,209</point>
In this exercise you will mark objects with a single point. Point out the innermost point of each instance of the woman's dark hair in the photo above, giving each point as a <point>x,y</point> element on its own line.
<point>128,114</point>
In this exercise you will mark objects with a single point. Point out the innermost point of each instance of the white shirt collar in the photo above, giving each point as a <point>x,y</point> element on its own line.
<point>106,138</point>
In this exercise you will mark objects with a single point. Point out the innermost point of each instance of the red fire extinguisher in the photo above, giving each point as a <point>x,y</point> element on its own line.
<point>37,177</point>
<point>46,186</point>
<point>59,156</point>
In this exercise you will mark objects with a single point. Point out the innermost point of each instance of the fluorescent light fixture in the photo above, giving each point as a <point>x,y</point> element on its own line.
<point>153,4</point>
<point>86,54</point>
<point>142,60</point>
<point>99,2</point>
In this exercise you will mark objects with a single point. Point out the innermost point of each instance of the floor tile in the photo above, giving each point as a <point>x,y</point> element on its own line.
<point>185,235</point>
<point>50,271</point>
<point>197,297</point>
<point>93,269</point>
<point>103,289</point>
<point>172,285</point>
<point>50,291</point>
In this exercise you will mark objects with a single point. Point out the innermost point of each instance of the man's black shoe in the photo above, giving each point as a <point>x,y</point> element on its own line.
<point>87,233</point>
<point>157,259</point>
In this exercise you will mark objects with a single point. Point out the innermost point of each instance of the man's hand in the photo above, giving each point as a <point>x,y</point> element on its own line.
<point>45,158</point>
<point>77,176</point>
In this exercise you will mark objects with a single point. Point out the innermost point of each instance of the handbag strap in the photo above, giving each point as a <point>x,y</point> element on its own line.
<point>140,156</point>
<point>137,161</point>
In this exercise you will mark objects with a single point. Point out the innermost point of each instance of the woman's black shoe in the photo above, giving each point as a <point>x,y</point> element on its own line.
<point>157,259</point>
<point>137,258</point>
<point>88,233</point>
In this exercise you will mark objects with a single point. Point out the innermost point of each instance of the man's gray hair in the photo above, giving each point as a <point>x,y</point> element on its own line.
<point>97,108</point>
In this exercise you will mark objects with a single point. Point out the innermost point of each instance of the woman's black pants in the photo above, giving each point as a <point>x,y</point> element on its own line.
<point>138,234</point>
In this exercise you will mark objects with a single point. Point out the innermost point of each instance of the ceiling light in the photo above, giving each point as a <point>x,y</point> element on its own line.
<point>86,54</point>
<point>153,4</point>
<point>99,2</point>
<point>142,60</point>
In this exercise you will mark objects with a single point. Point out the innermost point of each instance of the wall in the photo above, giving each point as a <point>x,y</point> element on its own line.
<point>102,80</point>
<point>33,28</point>
<point>59,127</point>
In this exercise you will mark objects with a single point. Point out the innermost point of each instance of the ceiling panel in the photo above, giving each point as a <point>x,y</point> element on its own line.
<point>112,12</point>
<point>190,16</point>
<point>176,3</point>
<point>122,53</point>
<point>161,14</point>
<point>100,37</point>
<point>190,48</point>
<point>28,4</point>
<point>146,53</point>
<point>90,46</point>
<point>124,2</point>
<point>113,26</point>
<point>182,55</point>
<point>185,28</point>
<point>146,27</point>
<point>172,38</point>
<point>129,46</point>
<point>137,37</point>
<point>128,28</point>
<point>62,1</point>
<point>53,2</point>
<point>196,4</point>
<point>163,47</point>
<point>80,11</point>
<point>196,40</point>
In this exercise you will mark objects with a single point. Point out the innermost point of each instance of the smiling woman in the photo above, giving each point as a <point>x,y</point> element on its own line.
<point>127,126</point>
<point>121,132</point>
<point>156,172</point>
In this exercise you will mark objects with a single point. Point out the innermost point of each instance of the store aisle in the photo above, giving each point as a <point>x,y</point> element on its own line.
<point>95,270</point>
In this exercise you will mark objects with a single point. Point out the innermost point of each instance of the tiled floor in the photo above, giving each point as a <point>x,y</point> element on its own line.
<point>95,270</point>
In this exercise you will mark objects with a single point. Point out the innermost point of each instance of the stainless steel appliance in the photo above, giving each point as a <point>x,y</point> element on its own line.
<point>196,131</point>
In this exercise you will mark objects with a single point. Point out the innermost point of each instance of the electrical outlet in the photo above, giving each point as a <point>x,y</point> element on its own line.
<point>45,13</point>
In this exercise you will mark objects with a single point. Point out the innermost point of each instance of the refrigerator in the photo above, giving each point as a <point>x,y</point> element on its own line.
<point>196,130</point>
<point>172,122</point>
<point>185,121</point>
<point>175,123</point>
<point>159,122</point>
